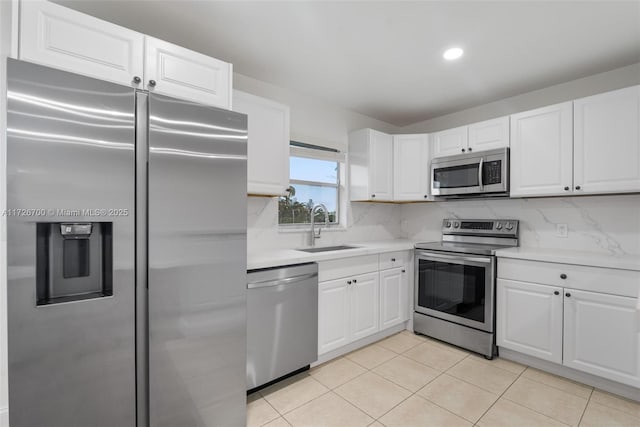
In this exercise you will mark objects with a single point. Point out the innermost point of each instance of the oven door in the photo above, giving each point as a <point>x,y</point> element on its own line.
<point>458,288</point>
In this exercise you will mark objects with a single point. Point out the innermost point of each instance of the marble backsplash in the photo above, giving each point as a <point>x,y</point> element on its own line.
<point>366,222</point>
<point>604,224</point>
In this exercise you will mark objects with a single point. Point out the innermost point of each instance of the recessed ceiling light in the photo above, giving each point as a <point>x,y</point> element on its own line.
<point>453,53</point>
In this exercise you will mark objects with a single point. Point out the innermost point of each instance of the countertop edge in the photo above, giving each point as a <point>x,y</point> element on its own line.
<point>588,259</point>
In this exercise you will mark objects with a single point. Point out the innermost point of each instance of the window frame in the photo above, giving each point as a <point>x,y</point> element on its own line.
<point>317,153</point>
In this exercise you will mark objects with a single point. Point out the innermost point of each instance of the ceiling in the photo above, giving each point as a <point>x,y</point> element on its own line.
<point>384,58</point>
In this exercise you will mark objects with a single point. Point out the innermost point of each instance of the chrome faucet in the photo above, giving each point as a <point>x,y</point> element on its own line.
<point>315,236</point>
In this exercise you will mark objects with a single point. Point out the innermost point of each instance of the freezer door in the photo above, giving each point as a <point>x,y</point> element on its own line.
<point>70,249</point>
<point>197,264</point>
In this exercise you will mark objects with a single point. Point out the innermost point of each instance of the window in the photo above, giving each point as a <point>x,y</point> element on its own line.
<point>314,177</point>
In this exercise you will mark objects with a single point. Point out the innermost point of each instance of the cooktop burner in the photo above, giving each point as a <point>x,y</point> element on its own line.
<point>475,236</point>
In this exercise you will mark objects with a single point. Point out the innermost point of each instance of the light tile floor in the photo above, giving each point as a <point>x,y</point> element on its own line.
<point>409,380</point>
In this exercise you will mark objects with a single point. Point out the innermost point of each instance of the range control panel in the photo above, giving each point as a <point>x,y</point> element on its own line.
<point>480,227</point>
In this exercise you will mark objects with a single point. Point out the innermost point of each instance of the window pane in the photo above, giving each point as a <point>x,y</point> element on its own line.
<point>296,209</point>
<point>305,169</point>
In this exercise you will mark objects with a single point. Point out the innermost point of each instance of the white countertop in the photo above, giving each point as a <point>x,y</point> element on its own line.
<point>564,256</point>
<point>279,257</point>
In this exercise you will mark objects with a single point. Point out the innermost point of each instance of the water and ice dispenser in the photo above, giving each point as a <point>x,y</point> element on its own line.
<point>74,261</point>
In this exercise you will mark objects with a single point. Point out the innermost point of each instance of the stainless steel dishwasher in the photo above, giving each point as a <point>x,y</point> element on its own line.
<point>282,322</point>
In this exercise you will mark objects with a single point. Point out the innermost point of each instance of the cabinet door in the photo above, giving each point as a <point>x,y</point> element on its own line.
<point>333,315</point>
<point>268,145</point>
<point>393,297</point>
<point>364,305</point>
<point>450,141</point>
<point>529,319</point>
<point>602,336</point>
<point>186,74</point>
<point>607,142</point>
<point>411,167</point>
<point>541,151</point>
<point>381,166</point>
<point>489,134</point>
<point>63,38</point>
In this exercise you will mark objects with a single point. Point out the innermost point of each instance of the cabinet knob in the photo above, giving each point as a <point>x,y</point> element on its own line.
<point>470,149</point>
<point>567,295</point>
<point>563,276</point>
<point>426,196</point>
<point>463,150</point>
<point>566,188</point>
<point>556,292</point>
<point>577,187</point>
<point>348,282</point>
<point>393,260</point>
<point>373,196</point>
<point>404,271</point>
<point>136,79</point>
<point>152,83</point>
<point>355,281</point>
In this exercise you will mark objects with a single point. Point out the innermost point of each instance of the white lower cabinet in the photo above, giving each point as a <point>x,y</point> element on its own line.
<point>586,318</point>
<point>394,296</point>
<point>333,314</point>
<point>365,297</point>
<point>602,335</point>
<point>347,310</point>
<point>529,318</point>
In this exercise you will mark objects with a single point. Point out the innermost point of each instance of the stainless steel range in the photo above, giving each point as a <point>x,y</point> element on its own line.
<point>456,279</point>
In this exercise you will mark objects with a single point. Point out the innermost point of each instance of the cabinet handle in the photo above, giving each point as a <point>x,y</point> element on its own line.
<point>348,282</point>
<point>136,79</point>
<point>393,260</point>
<point>463,150</point>
<point>566,188</point>
<point>556,292</point>
<point>152,83</point>
<point>567,295</point>
<point>470,149</point>
<point>563,276</point>
<point>577,187</point>
<point>355,281</point>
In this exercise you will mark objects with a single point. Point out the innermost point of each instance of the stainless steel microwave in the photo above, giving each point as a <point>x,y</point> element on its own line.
<point>479,174</point>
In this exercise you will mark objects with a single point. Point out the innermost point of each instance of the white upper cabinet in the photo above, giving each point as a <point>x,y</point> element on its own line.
<point>601,335</point>
<point>411,167</point>
<point>59,37</point>
<point>370,165</point>
<point>489,134</point>
<point>63,38</point>
<point>175,71</point>
<point>268,147</point>
<point>450,141</point>
<point>607,142</point>
<point>541,151</point>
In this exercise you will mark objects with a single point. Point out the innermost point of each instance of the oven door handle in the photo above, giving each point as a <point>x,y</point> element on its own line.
<point>480,173</point>
<point>455,257</point>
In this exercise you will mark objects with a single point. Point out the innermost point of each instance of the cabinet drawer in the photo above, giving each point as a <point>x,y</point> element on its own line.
<point>335,269</point>
<point>393,259</point>
<point>595,279</point>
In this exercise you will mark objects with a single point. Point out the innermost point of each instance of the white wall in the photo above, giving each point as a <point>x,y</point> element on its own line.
<point>313,120</point>
<point>591,85</point>
<point>602,224</point>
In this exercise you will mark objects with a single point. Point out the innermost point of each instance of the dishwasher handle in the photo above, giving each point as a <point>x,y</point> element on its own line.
<point>285,281</point>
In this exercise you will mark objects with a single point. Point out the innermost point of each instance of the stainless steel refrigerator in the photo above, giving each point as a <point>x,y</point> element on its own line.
<point>126,255</point>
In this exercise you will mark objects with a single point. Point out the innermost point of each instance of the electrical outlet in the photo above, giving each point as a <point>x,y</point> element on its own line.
<point>562,230</point>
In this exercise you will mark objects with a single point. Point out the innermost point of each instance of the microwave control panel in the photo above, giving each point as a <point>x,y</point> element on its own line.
<point>492,172</point>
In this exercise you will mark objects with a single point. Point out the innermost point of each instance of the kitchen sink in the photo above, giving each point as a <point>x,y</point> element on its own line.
<point>328,248</point>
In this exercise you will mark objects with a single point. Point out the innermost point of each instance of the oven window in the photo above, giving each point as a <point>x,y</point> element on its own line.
<point>456,176</point>
<point>454,289</point>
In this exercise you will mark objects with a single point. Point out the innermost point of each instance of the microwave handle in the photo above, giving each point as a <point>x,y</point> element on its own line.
<point>480,173</point>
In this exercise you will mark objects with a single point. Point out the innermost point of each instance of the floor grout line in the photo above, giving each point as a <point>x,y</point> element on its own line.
<point>586,406</point>
<point>501,394</point>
